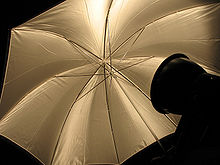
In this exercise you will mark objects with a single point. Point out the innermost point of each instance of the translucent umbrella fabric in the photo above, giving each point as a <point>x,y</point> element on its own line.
<point>78,76</point>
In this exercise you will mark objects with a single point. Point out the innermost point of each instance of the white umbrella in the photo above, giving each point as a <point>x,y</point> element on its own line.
<point>78,76</point>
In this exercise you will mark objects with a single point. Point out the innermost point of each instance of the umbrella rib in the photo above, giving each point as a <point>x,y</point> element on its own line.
<point>155,20</point>
<point>136,63</point>
<point>100,64</point>
<point>109,116</point>
<point>140,91</point>
<point>109,45</point>
<point>130,81</point>
<point>162,114</point>
<point>132,44</point>
<point>79,98</point>
<point>170,120</point>
<point>66,117</point>
<point>105,30</point>
<point>132,35</point>
<point>81,75</point>
<point>149,128</point>
<point>74,43</point>
<point>8,82</point>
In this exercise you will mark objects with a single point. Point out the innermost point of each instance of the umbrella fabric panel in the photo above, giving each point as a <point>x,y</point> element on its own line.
<point>34,57</point>
<point>81,21</point>
<point>123,24</point>
<point>36,121</point>
<point>87,133</point>
<point>194,32</point>
<point>100,142</point>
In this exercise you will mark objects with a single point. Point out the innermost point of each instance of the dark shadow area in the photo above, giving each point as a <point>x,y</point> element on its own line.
<point>204,150</point>
<point>206,153</point>
<point>14,13</point>
<point>4,41</point>
<point>13,154</point>
<point>153,151</point>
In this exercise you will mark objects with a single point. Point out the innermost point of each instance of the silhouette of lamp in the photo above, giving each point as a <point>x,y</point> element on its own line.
<point>180,84</point>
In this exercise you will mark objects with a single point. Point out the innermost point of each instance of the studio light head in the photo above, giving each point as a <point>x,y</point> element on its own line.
<point>180,83</point>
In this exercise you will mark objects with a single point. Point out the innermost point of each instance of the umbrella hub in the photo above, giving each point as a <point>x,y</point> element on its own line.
<point>104,61</point>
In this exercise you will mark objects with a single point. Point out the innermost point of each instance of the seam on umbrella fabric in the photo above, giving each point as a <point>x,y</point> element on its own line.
<point>105,29</point>
<point>39,30</point>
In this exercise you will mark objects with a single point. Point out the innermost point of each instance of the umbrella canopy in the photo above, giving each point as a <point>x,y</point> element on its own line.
<point>78,76</point>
